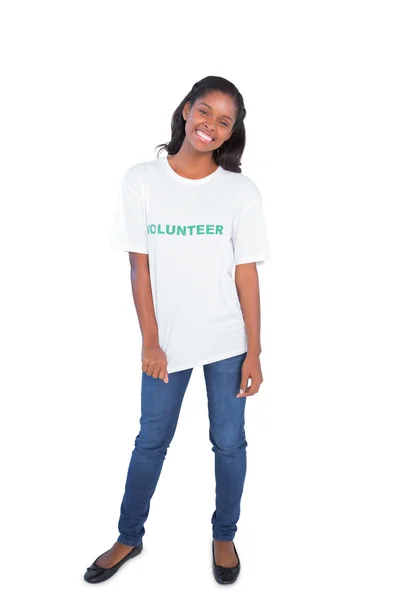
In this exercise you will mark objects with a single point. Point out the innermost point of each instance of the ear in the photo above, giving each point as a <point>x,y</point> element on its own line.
<point>186,110</point>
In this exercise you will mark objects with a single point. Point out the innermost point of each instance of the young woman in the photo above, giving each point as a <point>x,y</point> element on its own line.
<point>188,221</point>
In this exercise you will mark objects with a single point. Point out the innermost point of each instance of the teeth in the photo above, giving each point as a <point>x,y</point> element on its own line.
<point>204,136</point>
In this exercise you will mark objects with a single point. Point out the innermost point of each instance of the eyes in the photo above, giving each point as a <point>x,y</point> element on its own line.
<point>202,110</point>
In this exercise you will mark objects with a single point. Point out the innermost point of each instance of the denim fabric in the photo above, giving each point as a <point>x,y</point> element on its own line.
<point>160,408</point>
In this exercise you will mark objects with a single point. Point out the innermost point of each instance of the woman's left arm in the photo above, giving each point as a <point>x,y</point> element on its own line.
<point>246,281</point>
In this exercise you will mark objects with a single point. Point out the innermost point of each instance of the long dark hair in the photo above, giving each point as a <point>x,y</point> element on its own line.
<point>229,154</point>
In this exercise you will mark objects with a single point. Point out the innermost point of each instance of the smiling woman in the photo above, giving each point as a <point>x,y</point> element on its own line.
<point>196,217</point>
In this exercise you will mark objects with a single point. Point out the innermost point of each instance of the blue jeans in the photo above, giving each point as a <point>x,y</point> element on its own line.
<point>160,406</point>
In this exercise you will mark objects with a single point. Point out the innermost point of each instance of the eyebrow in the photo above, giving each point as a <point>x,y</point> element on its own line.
<point>225,116</point>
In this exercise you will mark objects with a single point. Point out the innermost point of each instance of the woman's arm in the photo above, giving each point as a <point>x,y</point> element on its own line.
<point>143,297</point>
<point>154,359</point>
<point>246,280</point>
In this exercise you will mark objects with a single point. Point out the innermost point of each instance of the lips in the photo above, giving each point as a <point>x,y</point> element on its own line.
<point>205,132</point>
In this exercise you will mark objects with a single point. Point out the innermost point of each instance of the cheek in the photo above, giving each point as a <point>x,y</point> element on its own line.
<point>191,124</point>
<point>188,127</point>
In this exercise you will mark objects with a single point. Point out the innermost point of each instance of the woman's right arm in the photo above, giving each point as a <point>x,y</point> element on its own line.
<point>154,360</point>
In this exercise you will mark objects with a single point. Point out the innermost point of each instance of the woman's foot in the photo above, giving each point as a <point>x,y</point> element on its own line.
<point>113,555</point>
<point>225,555</point>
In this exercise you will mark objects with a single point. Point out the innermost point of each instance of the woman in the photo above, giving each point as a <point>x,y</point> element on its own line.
<point>187,219</point>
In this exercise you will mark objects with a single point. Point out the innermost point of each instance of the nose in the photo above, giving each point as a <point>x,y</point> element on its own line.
<point>210,126</point>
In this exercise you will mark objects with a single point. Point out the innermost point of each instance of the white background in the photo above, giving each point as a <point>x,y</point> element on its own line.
<point>89,89</point>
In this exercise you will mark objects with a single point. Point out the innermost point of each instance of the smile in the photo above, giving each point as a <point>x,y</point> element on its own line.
<point>203,137</point>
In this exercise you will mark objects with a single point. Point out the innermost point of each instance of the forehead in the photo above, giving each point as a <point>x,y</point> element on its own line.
<point>219,102</point>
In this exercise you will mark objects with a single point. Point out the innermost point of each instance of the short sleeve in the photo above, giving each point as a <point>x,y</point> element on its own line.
<point>250,237</point>
<point>128,228</point>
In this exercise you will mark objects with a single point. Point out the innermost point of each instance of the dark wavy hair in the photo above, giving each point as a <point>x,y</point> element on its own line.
<point>229,154</point>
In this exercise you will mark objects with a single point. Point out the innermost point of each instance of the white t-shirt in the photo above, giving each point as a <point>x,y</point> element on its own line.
<point>195,231</point>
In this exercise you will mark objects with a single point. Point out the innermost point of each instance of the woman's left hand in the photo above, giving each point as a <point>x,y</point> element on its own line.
<point>251,369</point>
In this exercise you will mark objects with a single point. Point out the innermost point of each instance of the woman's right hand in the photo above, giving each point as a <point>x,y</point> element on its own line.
<point>154,362</point>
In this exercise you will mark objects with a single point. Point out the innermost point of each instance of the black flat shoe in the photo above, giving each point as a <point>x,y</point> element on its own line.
<point>225,574</point>
<point>95,574</point>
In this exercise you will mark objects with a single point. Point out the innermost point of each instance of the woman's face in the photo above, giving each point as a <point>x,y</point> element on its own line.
<point>213,115</point>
